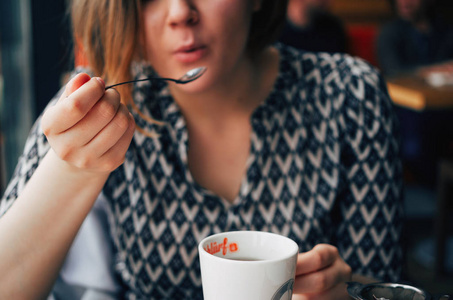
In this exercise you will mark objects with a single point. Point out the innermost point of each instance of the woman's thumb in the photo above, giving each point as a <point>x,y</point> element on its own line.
<point>75,83</point>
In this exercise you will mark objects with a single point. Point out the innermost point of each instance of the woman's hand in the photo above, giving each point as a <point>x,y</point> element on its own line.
<point>89,128</point>
<point>321,274</point>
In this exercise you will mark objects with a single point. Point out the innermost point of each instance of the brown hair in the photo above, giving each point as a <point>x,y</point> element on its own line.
<point>267,24</point>
<point>107,31</point>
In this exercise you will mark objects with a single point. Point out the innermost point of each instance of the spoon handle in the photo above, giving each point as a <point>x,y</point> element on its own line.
<point>149,79</point>
<point>190,76</point>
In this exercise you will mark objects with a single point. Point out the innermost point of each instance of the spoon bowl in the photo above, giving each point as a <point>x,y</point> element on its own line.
<point>189,76</point>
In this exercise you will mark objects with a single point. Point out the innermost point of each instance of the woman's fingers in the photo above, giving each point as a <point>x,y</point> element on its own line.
<point>320,257</point>
<point>114,157</point>
<point>98,117</point>
<point>71,109</point>
<point>74,84</point>
<point>89,127</point>
<point>80,102</point>
<point>113,135</point>
<point>321,281</point>
<point>319,272</point>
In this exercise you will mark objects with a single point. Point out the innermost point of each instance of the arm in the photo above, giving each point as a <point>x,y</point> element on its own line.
<point>371,210</point>
<point>89,132</point>
<point>89,266</point>
<point>39,228</point>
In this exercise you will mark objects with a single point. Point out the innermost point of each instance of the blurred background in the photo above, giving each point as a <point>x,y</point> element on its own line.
<point>36,53</point>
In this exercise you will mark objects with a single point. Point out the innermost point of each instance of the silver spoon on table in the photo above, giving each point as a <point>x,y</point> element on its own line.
<point>191,75</point>
<point>376,298</point>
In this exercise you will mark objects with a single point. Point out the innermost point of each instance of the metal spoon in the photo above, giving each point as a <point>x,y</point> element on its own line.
<point>191,75</point>
<point>376,298</point>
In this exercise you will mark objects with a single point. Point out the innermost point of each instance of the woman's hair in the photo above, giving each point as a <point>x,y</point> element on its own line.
<point>107,34</point>
<point>267,24</point>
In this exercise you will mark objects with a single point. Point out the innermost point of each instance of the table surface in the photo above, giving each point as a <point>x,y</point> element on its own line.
<point>414,93</point>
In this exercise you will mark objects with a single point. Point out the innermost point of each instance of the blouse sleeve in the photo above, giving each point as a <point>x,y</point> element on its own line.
<point>36,147</point>
<point>370,207</point>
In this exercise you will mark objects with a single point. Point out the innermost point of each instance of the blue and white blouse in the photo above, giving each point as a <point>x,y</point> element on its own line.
<point>324,167</point>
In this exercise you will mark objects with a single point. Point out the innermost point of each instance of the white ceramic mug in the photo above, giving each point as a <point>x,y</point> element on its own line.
<point>247,265</point>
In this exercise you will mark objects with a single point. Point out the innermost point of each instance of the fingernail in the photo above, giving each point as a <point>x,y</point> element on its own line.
<point>101,81</point>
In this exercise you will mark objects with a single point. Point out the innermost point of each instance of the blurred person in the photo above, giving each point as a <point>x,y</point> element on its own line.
<point>416,38</point>
<point>311,26</point>
<point>115,189</point>
<point>417,42</point>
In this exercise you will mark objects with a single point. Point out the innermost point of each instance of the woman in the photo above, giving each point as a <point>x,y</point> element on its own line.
<point>269,138</point>
<point>417,42</point>
<point>415,39</point>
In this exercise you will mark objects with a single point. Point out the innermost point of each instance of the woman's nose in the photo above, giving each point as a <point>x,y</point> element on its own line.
<point>182,12</point>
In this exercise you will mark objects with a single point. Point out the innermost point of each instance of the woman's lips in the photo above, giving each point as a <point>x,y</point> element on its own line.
<point>190,54</point>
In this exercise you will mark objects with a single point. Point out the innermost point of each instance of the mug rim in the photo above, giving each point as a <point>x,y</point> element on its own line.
<point>290,253</point>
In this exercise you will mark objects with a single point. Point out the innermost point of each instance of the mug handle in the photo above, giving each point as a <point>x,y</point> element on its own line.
<point>354,289</point>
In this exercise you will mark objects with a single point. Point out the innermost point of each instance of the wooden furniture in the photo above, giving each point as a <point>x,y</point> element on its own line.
<point>362,11</point>
<point>414,93</point>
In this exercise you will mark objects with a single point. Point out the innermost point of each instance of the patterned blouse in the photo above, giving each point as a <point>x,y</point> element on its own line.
<point>323,168</point>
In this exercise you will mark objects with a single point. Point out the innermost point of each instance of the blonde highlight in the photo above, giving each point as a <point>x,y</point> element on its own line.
<point>107,33</point>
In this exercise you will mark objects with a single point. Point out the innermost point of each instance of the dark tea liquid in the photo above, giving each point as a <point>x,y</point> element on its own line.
<point>244,258</point>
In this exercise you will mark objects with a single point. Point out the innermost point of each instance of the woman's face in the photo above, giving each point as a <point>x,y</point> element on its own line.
<point>409,9</point>
<point>184,34</point>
